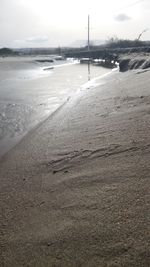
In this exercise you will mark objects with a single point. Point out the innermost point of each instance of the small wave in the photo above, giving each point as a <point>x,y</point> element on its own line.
<point>97,80</point>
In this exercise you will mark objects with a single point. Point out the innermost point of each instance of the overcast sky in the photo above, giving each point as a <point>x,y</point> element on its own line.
<point>36,23</point>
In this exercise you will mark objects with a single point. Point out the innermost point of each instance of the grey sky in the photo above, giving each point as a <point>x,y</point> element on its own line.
<point>36,23</point>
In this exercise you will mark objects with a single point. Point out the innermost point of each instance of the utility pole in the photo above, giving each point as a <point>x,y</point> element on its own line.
<point>89,48</point>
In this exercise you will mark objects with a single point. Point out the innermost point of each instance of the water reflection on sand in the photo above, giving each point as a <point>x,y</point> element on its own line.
<point>28,93</point>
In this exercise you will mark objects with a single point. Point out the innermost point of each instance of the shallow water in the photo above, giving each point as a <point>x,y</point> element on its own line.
<point>28,93</point>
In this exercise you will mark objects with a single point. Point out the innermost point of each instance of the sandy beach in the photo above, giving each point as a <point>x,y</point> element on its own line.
<point>75,190</point>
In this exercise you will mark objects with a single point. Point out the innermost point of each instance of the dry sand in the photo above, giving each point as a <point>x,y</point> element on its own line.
<point>74,192</point>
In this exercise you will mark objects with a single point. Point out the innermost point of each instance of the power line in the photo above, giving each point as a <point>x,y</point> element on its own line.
<point>130,5</point>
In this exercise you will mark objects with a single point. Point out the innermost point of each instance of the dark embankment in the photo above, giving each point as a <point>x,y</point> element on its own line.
<point>134,61</point>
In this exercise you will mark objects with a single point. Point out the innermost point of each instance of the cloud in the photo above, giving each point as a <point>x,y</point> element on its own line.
<point>37,39</point>
<point>31,41</point>
<point>122,17</point>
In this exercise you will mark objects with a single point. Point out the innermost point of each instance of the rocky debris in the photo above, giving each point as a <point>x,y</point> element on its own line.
<point>134,61</point>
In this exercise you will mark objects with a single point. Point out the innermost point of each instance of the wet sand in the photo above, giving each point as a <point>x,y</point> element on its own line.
<point>75,191</point>
<point>28,94</point>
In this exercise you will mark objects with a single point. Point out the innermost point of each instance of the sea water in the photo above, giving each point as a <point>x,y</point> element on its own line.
<point>31,90</point>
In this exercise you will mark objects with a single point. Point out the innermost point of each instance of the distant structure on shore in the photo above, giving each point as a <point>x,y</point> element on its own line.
<point>7,52</point>
<point>112,44</point>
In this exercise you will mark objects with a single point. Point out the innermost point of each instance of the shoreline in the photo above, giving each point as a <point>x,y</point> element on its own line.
<point>9,143</point>
<point>74,192</point>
